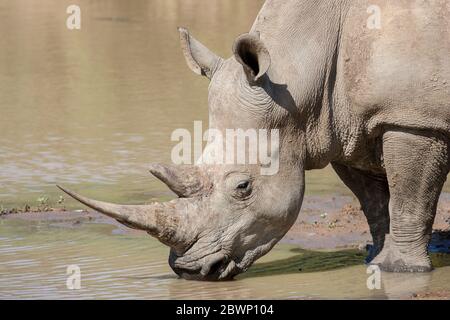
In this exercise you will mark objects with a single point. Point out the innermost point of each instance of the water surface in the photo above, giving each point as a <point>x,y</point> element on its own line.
<point>34,257</point>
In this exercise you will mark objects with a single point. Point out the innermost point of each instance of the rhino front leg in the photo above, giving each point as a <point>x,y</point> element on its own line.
<point>372,192</point>
<point>416,166</point>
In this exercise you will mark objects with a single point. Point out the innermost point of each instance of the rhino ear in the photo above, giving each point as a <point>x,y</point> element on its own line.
<point>251,52</point>
<point>199,58</point>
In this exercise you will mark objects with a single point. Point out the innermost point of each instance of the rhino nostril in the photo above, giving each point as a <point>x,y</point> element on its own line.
<point>213,264</point>
<point>215,267</point>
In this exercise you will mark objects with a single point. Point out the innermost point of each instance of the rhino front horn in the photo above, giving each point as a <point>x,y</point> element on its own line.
<point>160,220</point>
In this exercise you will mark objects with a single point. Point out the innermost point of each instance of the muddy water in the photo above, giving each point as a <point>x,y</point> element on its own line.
<point>34,257</point>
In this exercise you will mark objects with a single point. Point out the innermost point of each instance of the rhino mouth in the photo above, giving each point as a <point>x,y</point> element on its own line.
<point>213,267</point>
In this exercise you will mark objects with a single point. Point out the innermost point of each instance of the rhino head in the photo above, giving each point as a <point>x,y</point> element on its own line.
<point>226,215</point>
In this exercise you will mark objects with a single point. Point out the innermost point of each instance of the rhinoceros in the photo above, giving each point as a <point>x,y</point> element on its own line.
<point>371,99</point>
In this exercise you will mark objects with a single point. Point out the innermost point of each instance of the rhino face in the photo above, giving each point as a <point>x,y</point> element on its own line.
<point>227,214</point>
<point>240,217</point>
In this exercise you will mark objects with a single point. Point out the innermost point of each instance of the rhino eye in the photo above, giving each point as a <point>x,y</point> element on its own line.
<point>243,189</point>
<point>243,185</point>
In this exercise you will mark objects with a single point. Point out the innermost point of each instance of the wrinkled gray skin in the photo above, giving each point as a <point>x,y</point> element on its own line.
<point>373,103</point>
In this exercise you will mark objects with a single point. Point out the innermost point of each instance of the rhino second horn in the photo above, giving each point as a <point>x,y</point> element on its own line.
<point>158,219</point>
<point>185,181</point>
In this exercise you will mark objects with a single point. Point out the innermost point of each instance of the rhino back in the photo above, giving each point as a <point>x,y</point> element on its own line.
<point>398,74</point>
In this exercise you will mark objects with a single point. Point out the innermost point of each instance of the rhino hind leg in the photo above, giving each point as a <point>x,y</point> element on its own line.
<point>372,192</point>
<point>416,166</point>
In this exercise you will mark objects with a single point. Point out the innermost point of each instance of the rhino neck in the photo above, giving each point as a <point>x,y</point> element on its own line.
<point>303,38</point>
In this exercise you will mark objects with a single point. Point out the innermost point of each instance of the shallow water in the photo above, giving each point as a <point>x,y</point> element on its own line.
<point>34,257</point>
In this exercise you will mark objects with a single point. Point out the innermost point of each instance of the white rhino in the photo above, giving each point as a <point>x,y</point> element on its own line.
<point>371,99</point>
